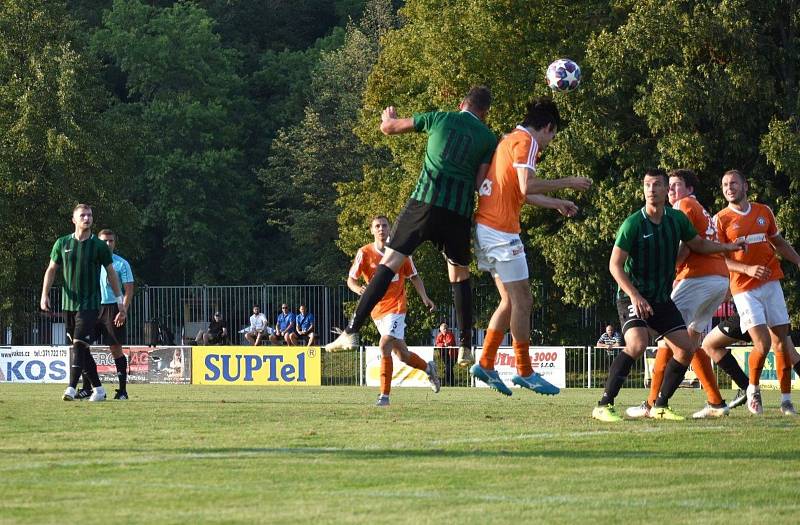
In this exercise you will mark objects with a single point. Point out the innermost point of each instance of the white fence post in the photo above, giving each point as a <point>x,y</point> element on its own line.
<point>588,367</point>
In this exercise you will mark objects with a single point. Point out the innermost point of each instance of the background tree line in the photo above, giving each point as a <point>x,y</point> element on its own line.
<point>236,142</point>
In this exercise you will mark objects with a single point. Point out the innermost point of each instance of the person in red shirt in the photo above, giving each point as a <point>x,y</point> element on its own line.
<point>446,343</point>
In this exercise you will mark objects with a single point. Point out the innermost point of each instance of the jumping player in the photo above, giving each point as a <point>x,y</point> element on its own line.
<point>759,299</point>
<point>389,315</point>
<point>498,247</point>
<point>457,156</point>
<point>81,255</point>
<point>643,264</point>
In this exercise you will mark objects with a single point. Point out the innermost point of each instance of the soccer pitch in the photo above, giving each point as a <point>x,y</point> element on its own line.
<point>188,454</point>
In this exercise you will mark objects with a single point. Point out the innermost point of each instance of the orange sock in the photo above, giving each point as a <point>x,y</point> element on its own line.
<point>490,345</point>
<point>416,361</point>
<point>663,355</point>
<point>783,368</point>
<point>755,362</point>
<point>701,364</point>
<point>522,357</point>
<point>386,375</point>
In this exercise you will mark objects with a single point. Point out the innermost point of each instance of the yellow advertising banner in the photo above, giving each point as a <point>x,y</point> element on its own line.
<point>259,365</point>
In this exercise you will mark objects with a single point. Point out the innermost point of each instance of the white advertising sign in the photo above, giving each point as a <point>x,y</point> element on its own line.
<point>402,374</point>
<point>34,364</point>
<point>549,361</point>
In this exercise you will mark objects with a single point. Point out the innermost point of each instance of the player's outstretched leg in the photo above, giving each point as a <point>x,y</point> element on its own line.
<point>484,370</point>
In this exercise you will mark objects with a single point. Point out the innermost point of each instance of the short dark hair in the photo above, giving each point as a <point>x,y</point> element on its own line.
<point>656,172</point>
<point>107,232</point>
<point>688,177</point>
<point>479,98</point>
<point>81,207</point>
<point>378,217</point>
<point>737,173</point>
<point>541,112</point>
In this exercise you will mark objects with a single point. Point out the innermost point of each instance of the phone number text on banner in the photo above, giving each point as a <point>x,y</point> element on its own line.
<point>267,365</point>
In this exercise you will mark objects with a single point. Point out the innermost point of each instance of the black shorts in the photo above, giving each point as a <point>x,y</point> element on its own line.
<point>104,330</point>
<point>81,326</point>
<point>447,230</point>
<point>730,326</point>
<point>666,317</point>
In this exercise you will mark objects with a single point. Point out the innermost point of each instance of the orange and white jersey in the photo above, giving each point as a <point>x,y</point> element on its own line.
<point>499,197</point>
<point>698,264</point>
<point>394,301</point>
<point>755,226</point>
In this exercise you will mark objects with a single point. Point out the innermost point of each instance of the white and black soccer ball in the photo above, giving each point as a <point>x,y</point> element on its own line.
<point>563,75</point>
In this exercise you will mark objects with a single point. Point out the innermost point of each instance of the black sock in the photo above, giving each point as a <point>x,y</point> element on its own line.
<point>796,368</point>
<point>462,299</point>
<point>732,368</point>
<point>76,369</point>
<point>673,375</point>
<point>90,367</point>
<point>122,371</point>
<point>617,374</point>
<point>87,385</point>
<point>375,291</point>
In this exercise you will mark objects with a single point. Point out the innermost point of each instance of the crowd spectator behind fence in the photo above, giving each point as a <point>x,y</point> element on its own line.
<point>285,327</point>
<point>446,343</point>
<point>304,326</point>
<point>258,327</point>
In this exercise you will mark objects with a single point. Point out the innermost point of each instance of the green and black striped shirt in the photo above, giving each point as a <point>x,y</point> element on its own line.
<point>458,143</point>
<point>652,251</point>
<point>80,263</point>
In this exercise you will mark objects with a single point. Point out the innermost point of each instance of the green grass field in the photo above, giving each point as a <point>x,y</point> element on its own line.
<point>189,454</point>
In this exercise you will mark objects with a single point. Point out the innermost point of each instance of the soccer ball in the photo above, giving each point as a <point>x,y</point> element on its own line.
<point>563,75</point>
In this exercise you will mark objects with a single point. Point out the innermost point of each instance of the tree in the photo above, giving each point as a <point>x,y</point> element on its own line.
<point>57,149</point>
<point>308,158</point>
<point>198,204</point>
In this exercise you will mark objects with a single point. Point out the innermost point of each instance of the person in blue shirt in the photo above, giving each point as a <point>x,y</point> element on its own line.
<point>304,325</point>
<point>108,324</point>
<point>284,327</point>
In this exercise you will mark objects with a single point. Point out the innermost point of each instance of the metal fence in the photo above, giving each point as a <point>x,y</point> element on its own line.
<point>175,314</point>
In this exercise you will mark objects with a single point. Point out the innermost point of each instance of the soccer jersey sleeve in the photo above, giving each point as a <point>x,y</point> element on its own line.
<point>626,234</point>
<point>424,121</point>
<point>355,269</point>
<point>125,274</point>
<point>687,229</point>
<point>524,153</point>
<point>55,253</point>
<point>408,269</point>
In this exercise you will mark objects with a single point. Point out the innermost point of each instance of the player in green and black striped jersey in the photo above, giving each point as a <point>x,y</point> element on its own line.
<point>643,264</point>
<point>457,156</point>
<point>80,255</point>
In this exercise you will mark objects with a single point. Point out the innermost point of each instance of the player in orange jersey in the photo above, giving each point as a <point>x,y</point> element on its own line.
<point>389,315</point>
<point>758,294</point>
<point>510,183</point>
<point>701,284</point>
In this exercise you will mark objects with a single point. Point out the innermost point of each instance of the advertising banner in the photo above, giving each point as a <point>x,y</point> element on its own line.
<point>689,380</point>
<point>259,365</point>
<point>402,374</point>
<point>34,364</point>
<point>138,363</point>
<point>549,361</point>
<point>769,376</point>
<point>170,364</point>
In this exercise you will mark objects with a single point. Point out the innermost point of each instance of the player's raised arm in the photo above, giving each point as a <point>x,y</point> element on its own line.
<point>565,208</point>
<point>700,245</point>
<point>391,124</point>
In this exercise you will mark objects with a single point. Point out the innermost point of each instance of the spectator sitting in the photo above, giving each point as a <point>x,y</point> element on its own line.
<point>284,327</point>
<point>304,325</point>
<point>446,343</point>
<point>610,338</point>
<point>258,327</point>
<point>216,334</point>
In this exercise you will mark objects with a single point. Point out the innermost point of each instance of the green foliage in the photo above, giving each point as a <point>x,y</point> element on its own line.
<point>58,148</point>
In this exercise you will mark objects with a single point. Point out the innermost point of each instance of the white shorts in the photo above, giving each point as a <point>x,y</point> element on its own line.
<point>501,254</point>
<point>762,305</point>
<point>698,298</point>
<point>393,325</point>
